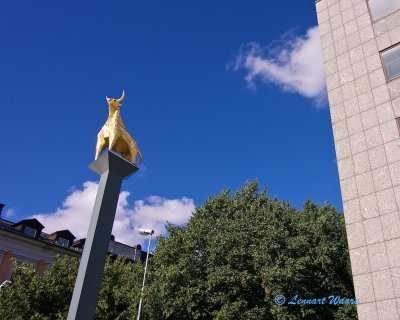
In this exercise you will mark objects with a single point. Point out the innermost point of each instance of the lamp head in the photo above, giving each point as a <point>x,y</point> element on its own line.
<point>146,232</point>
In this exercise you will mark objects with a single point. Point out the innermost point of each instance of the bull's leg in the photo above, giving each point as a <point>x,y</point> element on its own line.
<point>134,152</point>
<point>126,156</point>
<point>112,141</point>
<point>101,144</point>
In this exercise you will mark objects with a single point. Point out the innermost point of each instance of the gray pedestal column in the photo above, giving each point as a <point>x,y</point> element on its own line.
<point>112,169</point>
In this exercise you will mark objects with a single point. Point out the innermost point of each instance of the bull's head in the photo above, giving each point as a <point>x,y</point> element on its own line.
<point>115,103</point>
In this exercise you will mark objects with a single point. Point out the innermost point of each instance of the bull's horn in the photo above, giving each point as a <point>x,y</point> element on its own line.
<point>122,97</point>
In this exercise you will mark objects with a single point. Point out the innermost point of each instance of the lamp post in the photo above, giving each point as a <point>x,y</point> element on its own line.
<point>144,232</point>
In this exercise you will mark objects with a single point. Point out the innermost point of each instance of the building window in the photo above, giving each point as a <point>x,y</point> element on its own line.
<point>381,8</point>
<point>391,62</point>
<point>398,124</point>
<point>30,231</point>
<point>63,242</point>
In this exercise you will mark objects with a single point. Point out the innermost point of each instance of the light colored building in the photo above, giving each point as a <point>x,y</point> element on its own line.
<point>26,242</point>
<point>360,42</point>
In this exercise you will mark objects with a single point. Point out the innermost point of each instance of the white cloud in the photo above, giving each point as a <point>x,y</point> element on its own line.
<point>10,213</point>
<point>295,65</point>
<point>149,213</point>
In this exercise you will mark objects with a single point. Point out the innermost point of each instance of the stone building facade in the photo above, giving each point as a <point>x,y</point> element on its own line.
<point>25,241</point>
<point>360,42</point>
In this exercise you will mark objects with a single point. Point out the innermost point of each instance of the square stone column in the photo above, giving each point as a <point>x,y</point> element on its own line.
<point>112,170</point>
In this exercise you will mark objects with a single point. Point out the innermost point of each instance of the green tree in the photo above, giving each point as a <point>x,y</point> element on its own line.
<point>47,298</point>
<point>120,290</point>
<point>238,251</point>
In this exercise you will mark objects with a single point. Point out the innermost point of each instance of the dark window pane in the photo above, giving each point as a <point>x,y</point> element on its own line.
<point>381,8</point>
<point>391,61</point>
<point>63,242</point>
<point>30,231</point>
<point>394,70</point>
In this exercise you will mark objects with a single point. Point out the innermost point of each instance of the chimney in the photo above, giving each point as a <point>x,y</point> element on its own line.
<point>1,208</point>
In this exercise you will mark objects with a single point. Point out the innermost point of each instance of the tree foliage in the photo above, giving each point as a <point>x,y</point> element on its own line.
<point>47,298</point>
<point>238,251</point>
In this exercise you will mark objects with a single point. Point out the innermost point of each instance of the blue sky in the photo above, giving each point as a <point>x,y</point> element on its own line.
<point>217,93</point>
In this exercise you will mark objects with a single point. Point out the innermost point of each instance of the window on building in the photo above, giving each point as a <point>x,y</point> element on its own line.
<point>398,124</point>
<point>381,8</point>
<point>63,242</point>
<point>391,62</point>
<point>30,231</point>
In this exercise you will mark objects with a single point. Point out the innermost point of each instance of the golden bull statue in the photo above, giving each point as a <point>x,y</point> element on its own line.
<point>115,136</point>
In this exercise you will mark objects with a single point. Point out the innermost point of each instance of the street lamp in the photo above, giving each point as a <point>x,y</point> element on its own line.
<point>144,232</point>
<point>5,283</point>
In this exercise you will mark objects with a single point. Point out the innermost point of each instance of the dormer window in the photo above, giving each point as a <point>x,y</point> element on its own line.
<point>30,231</point>
<point>62,237</point>
<point>63,242</point>
<point>29,227</point>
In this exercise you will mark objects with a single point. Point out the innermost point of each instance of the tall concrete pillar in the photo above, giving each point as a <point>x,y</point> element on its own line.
<point>112,169</point>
